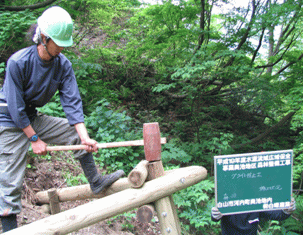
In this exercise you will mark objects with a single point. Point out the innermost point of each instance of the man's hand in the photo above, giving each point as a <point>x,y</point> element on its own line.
<point>291,208</point>
<point>91,145</point>
<point>39,147</point>
<point>216,214</point>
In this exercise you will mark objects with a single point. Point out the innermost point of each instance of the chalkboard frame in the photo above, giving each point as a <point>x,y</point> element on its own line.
<point>260,203</point>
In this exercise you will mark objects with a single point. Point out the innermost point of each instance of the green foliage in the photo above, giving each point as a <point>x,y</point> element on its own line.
<point>189,153</point>
<point>53,108</point>
<point>91,85</point>
<point>126,221</point>
<point>105,13</point>
<point>298,172</point>
<point>294,223</point>
<point>195,204</point>
<point>201,75</point>
<point>72,180</point>
<point>272,227</point>
<point>107,126</point>
<point>14,26</point>
<point>2,71</point>
<point>171,152</point>
<point>2,68</point>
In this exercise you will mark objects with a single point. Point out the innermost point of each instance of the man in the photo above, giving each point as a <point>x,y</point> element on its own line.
<point>247,223</point>
<point>33,75</point>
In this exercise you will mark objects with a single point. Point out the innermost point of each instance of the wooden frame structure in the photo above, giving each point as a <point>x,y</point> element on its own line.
<point>147,187</point>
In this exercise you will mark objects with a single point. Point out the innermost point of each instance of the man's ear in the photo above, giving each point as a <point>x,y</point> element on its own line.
<point>45,39</point>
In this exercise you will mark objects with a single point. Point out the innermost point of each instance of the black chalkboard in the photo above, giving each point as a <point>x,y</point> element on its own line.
<point>253,181</point>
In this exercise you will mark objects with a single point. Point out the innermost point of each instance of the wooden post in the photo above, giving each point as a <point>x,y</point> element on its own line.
<point>83,192</point>
<point>107,207</point>
<point>53,201</point>
<point>139,174</point>
<point>165,207</point>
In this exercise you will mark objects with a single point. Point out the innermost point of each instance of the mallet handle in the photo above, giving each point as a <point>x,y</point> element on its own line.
<point>102,145</point>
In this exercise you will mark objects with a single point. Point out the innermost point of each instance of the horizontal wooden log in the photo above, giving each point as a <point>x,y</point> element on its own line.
<point>101,145</point>
<point>82,192</point>
<point>107,207</point>
<point>138,175</point>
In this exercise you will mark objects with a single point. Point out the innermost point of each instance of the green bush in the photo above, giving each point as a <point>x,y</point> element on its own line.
<point>106,125</point>
<point>14,26</point>
<point>294,222</point>
<point>195,205</point>
<point>53,108</point>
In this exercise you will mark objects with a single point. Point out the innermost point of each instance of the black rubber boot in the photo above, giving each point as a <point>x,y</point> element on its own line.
<point>97,182</point>
<point>9,222</point>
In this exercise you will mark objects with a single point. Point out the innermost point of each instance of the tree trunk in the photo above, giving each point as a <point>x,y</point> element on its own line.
<point>32,7</point>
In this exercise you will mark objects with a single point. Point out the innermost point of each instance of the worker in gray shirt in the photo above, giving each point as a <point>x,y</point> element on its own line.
<point>33,75</point>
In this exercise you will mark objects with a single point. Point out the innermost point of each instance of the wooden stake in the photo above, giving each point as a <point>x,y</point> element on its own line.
<point>53,201</point>
<point>165,207</point>
<point>107,207</point>
<point>139,174</point>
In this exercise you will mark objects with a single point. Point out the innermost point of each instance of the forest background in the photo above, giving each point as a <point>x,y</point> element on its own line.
<point>217,82</point>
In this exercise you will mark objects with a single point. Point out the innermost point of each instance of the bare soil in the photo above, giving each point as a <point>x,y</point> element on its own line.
<point>43,174</point>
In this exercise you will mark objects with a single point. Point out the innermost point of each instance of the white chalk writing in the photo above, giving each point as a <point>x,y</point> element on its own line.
<point>270,188</point>
<point>249,175</point>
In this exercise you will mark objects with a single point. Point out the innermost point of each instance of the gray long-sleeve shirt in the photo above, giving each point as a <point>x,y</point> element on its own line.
<point>30,83</point>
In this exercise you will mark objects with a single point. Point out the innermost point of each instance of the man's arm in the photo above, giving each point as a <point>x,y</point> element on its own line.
<point>91,145</point>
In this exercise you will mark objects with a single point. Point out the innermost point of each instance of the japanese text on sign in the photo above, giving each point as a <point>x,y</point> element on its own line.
<point>253,181</point>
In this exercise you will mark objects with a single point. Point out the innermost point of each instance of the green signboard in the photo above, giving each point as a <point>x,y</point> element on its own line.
<point>253,181</point>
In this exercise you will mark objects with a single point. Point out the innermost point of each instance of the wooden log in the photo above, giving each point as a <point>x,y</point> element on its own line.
<point>165,207</point>
<point>139,174</point>
<point>101,145</point>
<point>83,192</point>
<point>53,201</point>
<point>107,207</point>
<point>145,213</point>
<point>152,141</point>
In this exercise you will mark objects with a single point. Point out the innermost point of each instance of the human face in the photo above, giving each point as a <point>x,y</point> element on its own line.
<point>53,48</point>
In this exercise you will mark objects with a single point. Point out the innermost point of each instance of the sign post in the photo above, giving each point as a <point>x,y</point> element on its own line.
<point>253,181</point>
